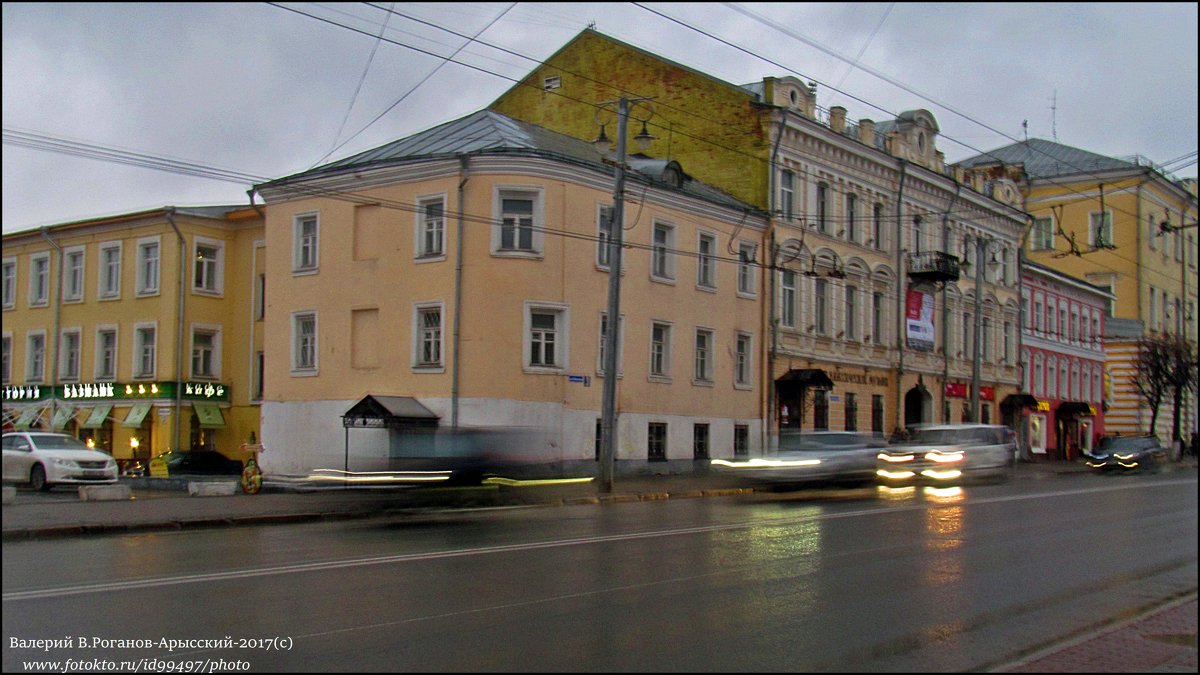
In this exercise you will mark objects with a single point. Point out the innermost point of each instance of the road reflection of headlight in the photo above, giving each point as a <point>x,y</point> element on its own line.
<point>889,492</point>
<point>894,475</point>
<point>947,494</point>
<point>944,457</point>
<point>336,476</point>
<point>1128,465</point>
<point>1094,465</point>
<point>513,482</point>
<point>944,474</point>
<point>896,458</point>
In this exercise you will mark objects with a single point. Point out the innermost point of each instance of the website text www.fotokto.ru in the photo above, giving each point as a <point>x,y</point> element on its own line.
<point>145,665</point>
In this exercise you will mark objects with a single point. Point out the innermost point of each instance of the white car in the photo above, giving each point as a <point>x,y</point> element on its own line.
<point>44,459</point>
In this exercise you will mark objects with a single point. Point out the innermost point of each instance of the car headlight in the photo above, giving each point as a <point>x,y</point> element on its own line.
<point>888,457</point>
<point>1125,457</point>
<point>944,457</point>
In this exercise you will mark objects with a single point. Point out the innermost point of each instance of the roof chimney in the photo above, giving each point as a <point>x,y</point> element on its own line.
<point>837,119</point>
<point>866,132</point>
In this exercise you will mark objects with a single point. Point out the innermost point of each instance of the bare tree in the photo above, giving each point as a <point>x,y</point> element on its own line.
<point>1181,378</point>
<point>1154,366</point>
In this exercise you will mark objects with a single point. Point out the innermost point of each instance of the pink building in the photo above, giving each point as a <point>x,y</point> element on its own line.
<point>1062,359</point>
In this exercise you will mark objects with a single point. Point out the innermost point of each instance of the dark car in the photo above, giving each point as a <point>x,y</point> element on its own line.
<point>201,462</point>
<point>1127,453</point>
<point>949,453</point>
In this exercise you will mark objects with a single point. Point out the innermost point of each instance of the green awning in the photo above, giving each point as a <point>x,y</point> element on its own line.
<point>98,416</point>
<point>61,416</point>
<point>136,414</point>
<point>27,417</point>
<point>209,415</point>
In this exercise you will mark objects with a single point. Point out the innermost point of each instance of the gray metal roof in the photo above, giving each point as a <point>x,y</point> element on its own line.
<point>1047,159</point>
<point>489,132</point>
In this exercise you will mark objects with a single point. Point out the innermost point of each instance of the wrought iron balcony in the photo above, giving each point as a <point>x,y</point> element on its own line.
<point>934,266</point>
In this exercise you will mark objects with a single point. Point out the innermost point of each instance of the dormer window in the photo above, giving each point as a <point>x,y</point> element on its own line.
<point>794,97</point>
<point>672,176</point>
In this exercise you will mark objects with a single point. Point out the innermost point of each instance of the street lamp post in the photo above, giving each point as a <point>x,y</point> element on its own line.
<point>608,420</point>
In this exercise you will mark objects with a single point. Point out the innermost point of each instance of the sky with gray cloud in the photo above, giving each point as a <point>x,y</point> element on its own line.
<point>266,90</point>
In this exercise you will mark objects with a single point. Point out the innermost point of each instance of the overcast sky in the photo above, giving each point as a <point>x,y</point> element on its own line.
<point>260,90</point>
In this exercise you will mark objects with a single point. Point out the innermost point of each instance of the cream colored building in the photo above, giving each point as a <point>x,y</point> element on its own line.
<point>139,332</point>
<point>458,278</point>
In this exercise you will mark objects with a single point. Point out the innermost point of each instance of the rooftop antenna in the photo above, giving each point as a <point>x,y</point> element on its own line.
<point>1025,127</point>
<point>1054,116</point>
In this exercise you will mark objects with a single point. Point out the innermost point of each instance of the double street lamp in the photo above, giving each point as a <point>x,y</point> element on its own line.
<point>608,420</point>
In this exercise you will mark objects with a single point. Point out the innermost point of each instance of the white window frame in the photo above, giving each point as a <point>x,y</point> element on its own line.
<point>74,271</point>
<point>299,368</point>
<point>426,228</point>
<point>747,287</point>
<point>821,301</point>
<point>1106,226</point>
<point>420,332</point>
<point>306,250</point>
<point>35,356</point>
<point>139,350</point>
<point>850,297</point>
<point>39,281</point>
<point>98,371</point>
<point>104,290</point>
<point>878,225</point>
<point>706,265</point>
<point>1042,240</point>
<point>600,326</point>
<point>149,279</point>
<point>212,281</point>
<point>603,234</point>
<point>9,280</point>
<point>704,358</point>
<point>662,254</point>
<point>70,360</point>
<point>213,330</point>
<point>787,298</point>
<point>787,194</point>
<point>562,337</point>
<point>659,366</point>
<point>851,221</point>
<point>743,361</point>
<point>537,220</point>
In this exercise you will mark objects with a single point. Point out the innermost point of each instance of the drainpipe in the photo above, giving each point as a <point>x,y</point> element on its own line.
<point>770,438</point>
<point>1023,433</point>
<point>464,171</point>
<point>57,299</point>
<point>170,213</point>
<point>945,308</point>
<point>902,288</point>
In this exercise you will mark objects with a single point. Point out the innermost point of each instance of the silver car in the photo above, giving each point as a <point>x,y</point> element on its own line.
<point>44,459</point>
<point>809,457</point>
<point>949,453</point>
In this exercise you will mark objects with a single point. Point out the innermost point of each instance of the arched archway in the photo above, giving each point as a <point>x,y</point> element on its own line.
<point>918,406</point>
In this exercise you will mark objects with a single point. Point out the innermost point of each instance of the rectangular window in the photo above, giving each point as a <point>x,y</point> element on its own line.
<point>852,218</point>
<point>6,363</point>
<point>851,313</point>
<point>876,318</point>
<point>106,354</point>
<point>110,270</point>
<point>656,445</point>
<point>68,363</point>
<point>516,223</point>
<point>742,361</point>
<point>1008,343</point>
<point>205,353</point>
<point>704,356</point>
<point>822,208</point>
<point>851,412</point>
<point>147,267</point>
<point>968,325</point>
<point>877,226</point>
<point>429,337</point>
<point>10,283</point>
<point>35,357</point>
<point>877,413</point>
<point>546,344</point>
<point>820,410</point>
<point>304,342</point>
<point>918,234</point>
<point>821,307</point>
<point>662,262</point>
<point>1043,235</point>
<point>145,351</point>
<point>432,227</point>
<point>257,392</point>
<point>1037,317</point>
<point>73,275</point>
<point>660,350</point>
<point>787,195</point>
<point>746,255</point>
<point>306,232</point>
<point>787,299</point>
<point>699,441</point>
<point>1100,230</point>
<point>985,346</point>
<point>260,300</point>
<point>603,234</point>
<point>209,267</point>
<point>741,440</point>
<point>704,261</point>
<point>39,280</point>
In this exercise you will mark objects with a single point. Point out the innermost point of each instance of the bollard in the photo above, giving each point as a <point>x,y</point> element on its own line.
<point>212,488</point>
<point>104,493</point>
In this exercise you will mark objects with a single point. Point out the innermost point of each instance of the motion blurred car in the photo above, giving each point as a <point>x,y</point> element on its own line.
<point>807,458</point>
<point>201,463</point>
<point>44,459</point>
<point>1127,454</point>
<point>950,453</point>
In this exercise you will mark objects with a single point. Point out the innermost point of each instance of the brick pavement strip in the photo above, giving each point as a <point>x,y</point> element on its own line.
<point>1163,641</point>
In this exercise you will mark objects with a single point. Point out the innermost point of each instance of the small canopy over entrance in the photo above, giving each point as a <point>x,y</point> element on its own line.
<point>1019,401</point>
<point>388,412</point>
<point>209,415</point>
<point>1079,408</point>
<point>806,378</point>
<point>791,391</point>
